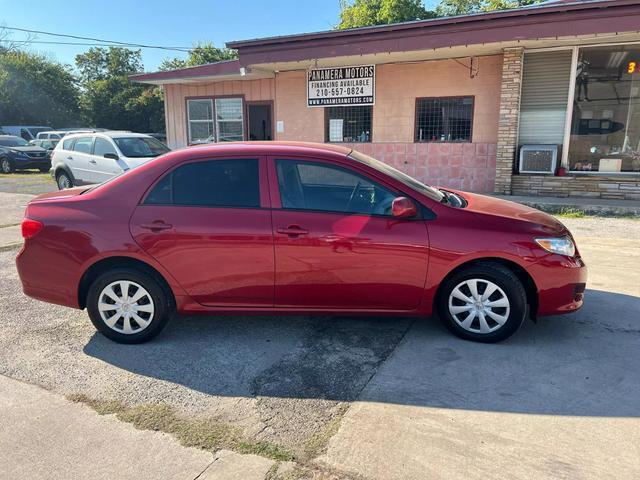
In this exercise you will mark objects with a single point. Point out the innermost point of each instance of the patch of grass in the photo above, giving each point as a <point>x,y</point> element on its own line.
<point>571,213</point>
<point>205,433</point>
<point>317,443</point>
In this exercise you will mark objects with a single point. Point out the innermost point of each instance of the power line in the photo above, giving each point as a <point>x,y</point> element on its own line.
<point>114,42</point>
<point>21,41</point>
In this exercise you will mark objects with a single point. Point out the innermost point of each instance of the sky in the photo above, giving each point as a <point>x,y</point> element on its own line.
<point>164,23</point>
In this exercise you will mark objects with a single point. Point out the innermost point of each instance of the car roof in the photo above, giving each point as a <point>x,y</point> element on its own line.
<point>110,134</point>
<point>278,147</point>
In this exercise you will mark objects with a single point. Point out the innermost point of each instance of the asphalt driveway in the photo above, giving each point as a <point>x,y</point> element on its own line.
<point>393,397</point>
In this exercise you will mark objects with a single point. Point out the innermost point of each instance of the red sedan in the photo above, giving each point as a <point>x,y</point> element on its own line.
<point>293,228</point>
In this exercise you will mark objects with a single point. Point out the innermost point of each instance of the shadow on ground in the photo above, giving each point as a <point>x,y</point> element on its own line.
<point>580,364</point>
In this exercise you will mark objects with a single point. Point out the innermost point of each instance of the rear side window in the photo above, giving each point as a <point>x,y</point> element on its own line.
<point>212,183</point>
<point>68,143</point>
<point>83,145</point>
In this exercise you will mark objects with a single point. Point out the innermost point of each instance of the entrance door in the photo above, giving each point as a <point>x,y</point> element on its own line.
<point>260,124</point>
<point>337,245</point>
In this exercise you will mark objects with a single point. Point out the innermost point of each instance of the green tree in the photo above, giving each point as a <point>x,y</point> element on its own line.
<point>462,7</point>
<point>200,54</point>
<point>35,90</point>
<point>109,99</point>
<point>362,13</point>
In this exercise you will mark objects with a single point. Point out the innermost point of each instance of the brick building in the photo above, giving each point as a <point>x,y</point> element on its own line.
<point>538,100</point>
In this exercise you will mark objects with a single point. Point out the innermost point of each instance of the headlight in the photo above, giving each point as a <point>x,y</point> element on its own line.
<point>560,245</point>
<point>17,152</point>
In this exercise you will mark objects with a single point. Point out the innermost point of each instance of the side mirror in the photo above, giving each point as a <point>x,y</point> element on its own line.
<point>402,207</point>
<point>112,156</point>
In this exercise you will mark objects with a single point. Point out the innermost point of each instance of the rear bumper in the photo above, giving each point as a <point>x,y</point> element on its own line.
<point>46,280</point>
<point>561,282</point>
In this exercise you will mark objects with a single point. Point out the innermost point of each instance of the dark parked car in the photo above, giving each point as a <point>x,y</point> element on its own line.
<point>293,228</point>
<point>17,154</point>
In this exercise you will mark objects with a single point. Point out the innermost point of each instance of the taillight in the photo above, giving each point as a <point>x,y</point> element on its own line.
<point>30,228</point>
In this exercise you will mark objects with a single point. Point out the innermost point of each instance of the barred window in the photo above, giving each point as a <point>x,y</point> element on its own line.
<point>229,119</point>
<point>215,120</point>
<point>348,124</point>
<point>446,119</point>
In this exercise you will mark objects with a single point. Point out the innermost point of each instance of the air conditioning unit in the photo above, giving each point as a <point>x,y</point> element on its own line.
<point>538,159</point>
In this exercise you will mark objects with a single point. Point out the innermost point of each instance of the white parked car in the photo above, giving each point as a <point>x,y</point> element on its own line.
<point>83,159</point>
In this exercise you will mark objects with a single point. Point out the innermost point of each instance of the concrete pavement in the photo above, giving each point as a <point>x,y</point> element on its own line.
<point>44,436</point>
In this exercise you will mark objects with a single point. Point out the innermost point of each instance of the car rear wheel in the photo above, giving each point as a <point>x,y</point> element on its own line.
<point>63,180</point>
<point>6,165</point>
<point>127,305</point>
<point>484,303</point>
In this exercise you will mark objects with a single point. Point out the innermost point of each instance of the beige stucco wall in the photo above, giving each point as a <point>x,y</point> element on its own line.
<point>176,95</point>
<point>398,86</point>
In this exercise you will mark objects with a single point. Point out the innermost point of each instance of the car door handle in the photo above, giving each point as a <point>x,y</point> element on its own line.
<point>156,226</point>
<point>292,231</point>
<point>69,158</point>
<point>92,161</point>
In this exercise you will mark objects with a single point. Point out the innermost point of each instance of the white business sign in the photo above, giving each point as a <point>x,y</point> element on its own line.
<point>344,86</point>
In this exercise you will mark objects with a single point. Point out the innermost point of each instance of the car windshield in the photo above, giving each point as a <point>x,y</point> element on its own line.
<point>13,142</point>
<point>410,182</point>
<point>139,147</point>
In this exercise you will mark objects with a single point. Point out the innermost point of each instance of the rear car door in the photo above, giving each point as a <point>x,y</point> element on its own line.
<point>337,245</point>
<point>208,223</point>
<point>79,159</point>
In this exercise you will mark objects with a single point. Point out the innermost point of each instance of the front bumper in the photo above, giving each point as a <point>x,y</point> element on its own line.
<point>561,282</point>
<point>20,163</point>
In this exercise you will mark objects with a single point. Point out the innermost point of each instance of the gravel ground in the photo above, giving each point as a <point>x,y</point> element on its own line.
<point>280,379</point>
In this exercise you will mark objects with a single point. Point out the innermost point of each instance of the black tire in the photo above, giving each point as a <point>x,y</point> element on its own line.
<point>6,165</point>
<point>63,180</point>
<point>43,169</point>
<point>161,302</point>
<point>506,280</point>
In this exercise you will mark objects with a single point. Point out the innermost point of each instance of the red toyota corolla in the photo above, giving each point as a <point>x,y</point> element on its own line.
<point>293,228</point>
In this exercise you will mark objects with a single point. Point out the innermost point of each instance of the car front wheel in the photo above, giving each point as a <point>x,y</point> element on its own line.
<point>127,305</point>
<point>484,303</point>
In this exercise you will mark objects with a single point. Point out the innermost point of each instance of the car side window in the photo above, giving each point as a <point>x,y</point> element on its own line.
<point>210,183</point>
<point>83,144</point>
<point>102,146</point>
<point>307,185</point>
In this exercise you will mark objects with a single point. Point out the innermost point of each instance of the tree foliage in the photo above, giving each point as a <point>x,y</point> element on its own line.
<point>361,13</point>
<point>35,90</point>
<point>462,7</point>
<point>201,54</point>
<point>109,99</point>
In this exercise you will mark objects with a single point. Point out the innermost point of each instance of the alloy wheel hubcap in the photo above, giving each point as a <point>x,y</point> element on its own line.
<point>125,307</point>
<point>6,167</point>
<point>479,306</point>
<point>63,182</point>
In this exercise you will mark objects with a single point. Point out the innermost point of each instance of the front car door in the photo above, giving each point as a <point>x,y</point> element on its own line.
<point>337,245</point>
<point>104,168</point>
<point>208,223</point>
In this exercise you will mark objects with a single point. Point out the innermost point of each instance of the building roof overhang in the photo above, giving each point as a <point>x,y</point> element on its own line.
<point>552,24</point>
<point>544,21</point>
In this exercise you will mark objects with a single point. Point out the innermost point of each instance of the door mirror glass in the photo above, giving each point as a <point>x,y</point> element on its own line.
<point>112,156</point>
<point>402,207</point>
